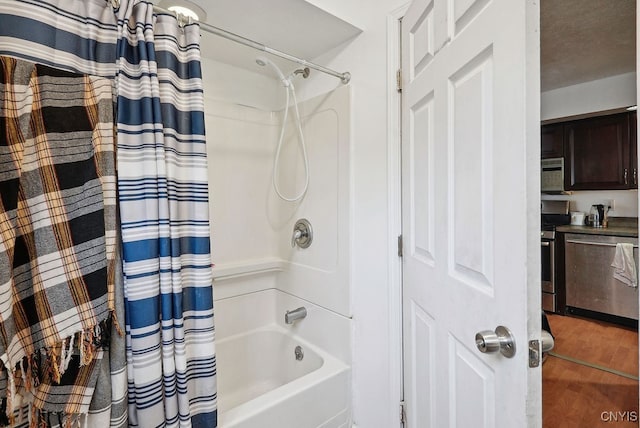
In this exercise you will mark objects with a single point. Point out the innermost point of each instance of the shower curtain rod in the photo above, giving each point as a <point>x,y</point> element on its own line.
<point>344,77</point>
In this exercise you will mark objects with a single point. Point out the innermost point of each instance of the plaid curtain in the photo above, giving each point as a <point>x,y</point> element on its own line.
<point>57,235</point>
<point>163,197</point>
<point>78,37</point>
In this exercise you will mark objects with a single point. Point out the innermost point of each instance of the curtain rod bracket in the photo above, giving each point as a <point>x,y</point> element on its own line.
<point>183,19</point>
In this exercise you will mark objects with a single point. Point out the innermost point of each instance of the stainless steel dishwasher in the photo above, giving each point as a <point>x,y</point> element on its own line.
<point>589,276</point>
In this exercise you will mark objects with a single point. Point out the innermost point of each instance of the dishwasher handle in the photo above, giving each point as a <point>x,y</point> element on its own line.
<point>601,244</point>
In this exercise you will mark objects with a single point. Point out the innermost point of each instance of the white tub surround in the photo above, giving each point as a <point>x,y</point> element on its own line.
<point>253,236</point>
<point>261,383</point>
<point>259,275</point>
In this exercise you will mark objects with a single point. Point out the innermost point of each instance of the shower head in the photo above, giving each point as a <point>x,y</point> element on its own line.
<point>262,61</point>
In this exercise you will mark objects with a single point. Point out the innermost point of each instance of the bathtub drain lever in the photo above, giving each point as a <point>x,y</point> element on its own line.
<point>299,353</point>
<point>294,315</point>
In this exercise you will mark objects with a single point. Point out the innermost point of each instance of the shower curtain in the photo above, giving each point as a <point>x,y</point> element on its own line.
<point>162,181</point>
<point>154,65</point>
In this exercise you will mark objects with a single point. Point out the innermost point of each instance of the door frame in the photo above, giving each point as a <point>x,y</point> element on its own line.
<point>394,192</point>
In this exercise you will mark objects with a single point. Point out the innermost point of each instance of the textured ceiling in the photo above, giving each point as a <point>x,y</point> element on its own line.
<point>583,40</point>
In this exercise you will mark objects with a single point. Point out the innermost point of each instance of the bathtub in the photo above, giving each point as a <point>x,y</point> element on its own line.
<point>262,381</point>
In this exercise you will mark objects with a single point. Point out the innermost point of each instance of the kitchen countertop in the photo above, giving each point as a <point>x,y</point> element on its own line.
<point>609,231</point>
<point>618,226</point>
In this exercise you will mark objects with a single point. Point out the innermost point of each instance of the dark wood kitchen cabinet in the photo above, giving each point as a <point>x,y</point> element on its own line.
<point>552,141</point>
<point>600,153</point>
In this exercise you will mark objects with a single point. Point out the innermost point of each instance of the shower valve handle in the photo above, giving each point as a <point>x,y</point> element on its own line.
<point>297,234</point>
<point>302,234</point>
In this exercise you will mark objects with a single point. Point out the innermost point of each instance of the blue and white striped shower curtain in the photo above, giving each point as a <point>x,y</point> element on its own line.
<point>162,184</point>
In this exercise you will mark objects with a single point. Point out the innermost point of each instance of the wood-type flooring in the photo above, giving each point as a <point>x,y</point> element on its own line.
<point>576,396</point>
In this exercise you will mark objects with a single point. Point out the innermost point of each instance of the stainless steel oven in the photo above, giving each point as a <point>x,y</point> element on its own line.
<point>547,243</point>
<point>554,213</point>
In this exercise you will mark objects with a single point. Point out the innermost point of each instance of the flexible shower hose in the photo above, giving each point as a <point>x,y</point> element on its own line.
<point>276,161</point>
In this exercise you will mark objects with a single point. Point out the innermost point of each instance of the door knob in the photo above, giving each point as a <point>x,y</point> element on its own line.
<point>547,341</point>
<point>502,340</point>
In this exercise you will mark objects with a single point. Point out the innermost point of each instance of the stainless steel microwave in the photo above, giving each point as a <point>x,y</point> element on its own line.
<point>552,175</point>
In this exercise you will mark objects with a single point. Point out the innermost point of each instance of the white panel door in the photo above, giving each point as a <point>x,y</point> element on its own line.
<point>470,161</point>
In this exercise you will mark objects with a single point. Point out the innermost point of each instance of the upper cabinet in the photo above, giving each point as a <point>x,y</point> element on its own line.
<point>599,154</point>
<point>551,141</point>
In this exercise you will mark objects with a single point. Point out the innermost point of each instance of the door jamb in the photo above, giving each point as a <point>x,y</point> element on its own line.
<point>394,192</point>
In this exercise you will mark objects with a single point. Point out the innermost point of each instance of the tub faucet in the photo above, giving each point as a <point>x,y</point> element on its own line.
<point>294,315</point>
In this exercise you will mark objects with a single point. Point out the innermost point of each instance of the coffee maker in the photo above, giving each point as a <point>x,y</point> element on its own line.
<point>597,215</point>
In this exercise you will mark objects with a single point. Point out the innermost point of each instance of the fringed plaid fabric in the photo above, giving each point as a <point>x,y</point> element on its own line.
<point>57,235</point>
<point>80,37</point>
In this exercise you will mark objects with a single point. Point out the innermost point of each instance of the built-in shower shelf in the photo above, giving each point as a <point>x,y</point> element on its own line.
<point>251,267</point>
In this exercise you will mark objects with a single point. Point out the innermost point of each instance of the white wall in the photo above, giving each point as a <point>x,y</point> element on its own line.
<point>233,85</point>
<point>240,152</point>
<point>319,273</point>
<point>625,202</point>
<point>374,383</point>
<point>599,95</point>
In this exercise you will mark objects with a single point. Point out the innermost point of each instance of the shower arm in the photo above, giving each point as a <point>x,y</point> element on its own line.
<point>344,77</point>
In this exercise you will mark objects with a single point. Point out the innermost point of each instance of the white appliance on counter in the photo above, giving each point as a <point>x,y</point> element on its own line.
<point>577,218</point>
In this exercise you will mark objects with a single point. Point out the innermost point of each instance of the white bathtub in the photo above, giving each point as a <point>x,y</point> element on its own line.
<point>261,384</point>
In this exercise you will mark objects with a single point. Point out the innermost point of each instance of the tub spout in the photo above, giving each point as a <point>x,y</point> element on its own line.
<point>294,315</point>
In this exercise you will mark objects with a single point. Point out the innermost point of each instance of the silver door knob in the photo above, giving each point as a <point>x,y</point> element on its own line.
<point>490,342</point>
<point>547,341</point>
